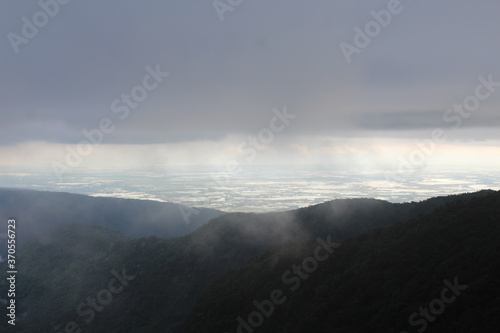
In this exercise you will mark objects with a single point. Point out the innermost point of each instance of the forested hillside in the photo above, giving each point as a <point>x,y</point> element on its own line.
<point>39,211</point>
<point>99,280</point>
<point>438,272</point>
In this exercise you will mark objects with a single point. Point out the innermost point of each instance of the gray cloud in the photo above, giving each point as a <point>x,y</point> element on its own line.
<point>401,120</point>
<point>226,77</point>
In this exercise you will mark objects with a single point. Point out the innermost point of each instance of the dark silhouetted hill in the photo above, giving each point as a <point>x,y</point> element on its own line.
<point>64,269</point>
<point>39,211</point>
<point>376,282</point>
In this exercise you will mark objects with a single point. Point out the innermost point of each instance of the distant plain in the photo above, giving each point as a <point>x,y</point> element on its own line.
<point>257,188</point>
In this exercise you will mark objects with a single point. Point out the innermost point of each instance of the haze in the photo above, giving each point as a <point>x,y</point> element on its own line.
<point>95,85</point>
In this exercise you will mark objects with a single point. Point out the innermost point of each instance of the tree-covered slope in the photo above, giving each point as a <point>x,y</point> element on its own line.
<point>38,211</point>
<point>404,278</point>
<point>62,272</point>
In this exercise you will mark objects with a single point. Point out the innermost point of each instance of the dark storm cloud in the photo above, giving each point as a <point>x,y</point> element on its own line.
<point>226,77</point>
<point>401,120</point>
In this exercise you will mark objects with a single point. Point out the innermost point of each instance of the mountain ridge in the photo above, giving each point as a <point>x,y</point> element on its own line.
<point>375,282</point>
<point>172,273</point>
<point>41,210</point>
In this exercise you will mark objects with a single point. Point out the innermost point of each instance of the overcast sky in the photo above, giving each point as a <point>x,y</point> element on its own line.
<point>230,66</point>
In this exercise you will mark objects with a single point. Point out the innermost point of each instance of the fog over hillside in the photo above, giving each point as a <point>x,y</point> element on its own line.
<point>41,211</point>
<point>161,162</point>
